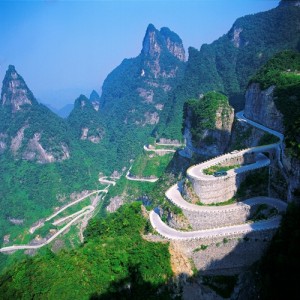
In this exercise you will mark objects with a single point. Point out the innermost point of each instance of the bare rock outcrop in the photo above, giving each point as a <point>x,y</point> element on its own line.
<point>260,107</point>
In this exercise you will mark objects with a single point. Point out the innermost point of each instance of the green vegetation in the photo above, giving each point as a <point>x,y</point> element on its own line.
<point>202,247</point>
<point>150,165</point>
<point>227,67</point>
<point>217,168</point>
<point>113,257</point>
<point>268,139</point>
<point>202,113</point>
<point>222,285</point>
<point>283,71</point>
<point>263,212</point>
<point>26,194</point>
<point>227,202</point>
<point>255,184</point>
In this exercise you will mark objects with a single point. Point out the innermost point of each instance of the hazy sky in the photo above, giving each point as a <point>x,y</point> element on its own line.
<point>64,48</point>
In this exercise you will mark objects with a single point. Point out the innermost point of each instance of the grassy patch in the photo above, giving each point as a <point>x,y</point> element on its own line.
<point>217,168</point>
<point>150,165</point>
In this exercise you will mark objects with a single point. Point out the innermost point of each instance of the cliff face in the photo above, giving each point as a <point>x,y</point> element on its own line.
<point>135,94</point>
<point>15,93</point>
<point>29,130</point>
<point>214,122</point>
<point>260,107</point>
<point>228,63</point>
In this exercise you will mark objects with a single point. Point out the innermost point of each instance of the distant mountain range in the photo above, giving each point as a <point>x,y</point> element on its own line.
<point>62,112</point>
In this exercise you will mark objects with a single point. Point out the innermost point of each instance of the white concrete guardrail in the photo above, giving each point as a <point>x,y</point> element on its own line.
<point>174,194</point>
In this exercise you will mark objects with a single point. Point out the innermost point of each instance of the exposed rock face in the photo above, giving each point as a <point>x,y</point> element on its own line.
<point>260,107</point>
<point>16,141</point>
<point>115,203</point>
<point>214,141</point>
<point>95,100</point>
<point>30,130</point>
<point>3,142</point>
<point>236,39</point>
<point>15,92</point>
<point>35,151</point>
<point>157,42</point>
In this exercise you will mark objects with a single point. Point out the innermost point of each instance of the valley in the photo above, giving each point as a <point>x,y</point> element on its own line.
<point>180,180</point>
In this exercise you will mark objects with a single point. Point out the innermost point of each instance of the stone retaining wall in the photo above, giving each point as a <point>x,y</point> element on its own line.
<point>213,219</point>
<point>208,191</point>
<point>247,158</point>
<point>232,253</point>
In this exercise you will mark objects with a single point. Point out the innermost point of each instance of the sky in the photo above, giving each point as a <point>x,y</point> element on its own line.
<point>66,48</point>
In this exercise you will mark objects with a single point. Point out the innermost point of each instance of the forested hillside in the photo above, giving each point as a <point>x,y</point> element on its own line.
<point>113,263</point>
<point>134,95</point>
<point>44,158</point>
<point>227,64</point>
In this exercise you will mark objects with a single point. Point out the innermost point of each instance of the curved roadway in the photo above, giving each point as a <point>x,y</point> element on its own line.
<point>140,178</point>
<point>174,195</point>
<point>83,212</point>
<point>22,247</point>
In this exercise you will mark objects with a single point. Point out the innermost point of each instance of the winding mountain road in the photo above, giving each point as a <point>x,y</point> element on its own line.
<point>23,247</point>
<point>76,216</point>
<point>159,150</point>
<point>141,179</point>
<point>174,195</point>
<point>73,203</point>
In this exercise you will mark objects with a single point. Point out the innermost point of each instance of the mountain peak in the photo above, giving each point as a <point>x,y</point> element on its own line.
<point>15,92</point>
<point>151,42</point>
<point>11,68</point>
<point>156,41</point>
<point>94,96</point>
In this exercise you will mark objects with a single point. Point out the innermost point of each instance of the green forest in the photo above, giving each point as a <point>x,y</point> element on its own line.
<point>113,263</point>
<point>116,259</point>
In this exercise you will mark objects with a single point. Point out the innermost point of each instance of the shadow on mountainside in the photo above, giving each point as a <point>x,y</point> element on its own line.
<point>266,265</point>
<point>134,287</point>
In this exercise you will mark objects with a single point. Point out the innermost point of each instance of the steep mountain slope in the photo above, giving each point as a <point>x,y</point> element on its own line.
<point>273,99</point>
<point>207,125</point>
<point>41,161</point>
<point>135,93</point>
<point>85,120</point>
<point>29,130</point>
<point>228,63</point>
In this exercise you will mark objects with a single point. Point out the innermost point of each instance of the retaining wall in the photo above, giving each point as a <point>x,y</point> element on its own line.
<point>213,219</point>
<point>218,190</point>
<point>225,255</point>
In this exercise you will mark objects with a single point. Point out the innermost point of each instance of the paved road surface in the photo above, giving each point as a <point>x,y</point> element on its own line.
<point>174,195</point>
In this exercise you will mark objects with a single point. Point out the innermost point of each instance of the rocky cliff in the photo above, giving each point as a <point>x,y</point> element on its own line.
<point>228,63</point>
<point>135,94</point>
<point>29,130</point>
<point>272,99</point>
<point>207,125</point>
<point>260,107</point>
